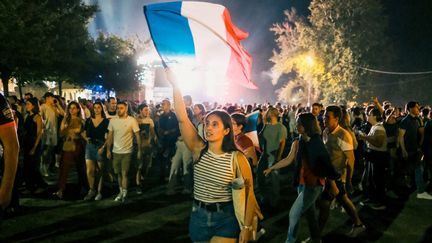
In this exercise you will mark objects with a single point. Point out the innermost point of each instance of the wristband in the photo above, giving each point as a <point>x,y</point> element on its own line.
<point>247,227</point>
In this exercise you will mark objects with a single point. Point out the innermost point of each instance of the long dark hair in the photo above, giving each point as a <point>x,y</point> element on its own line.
<point>103,114</point>
<point>309,123</point>
<point>202,108</point>
<point>68,115</point>
<point>35,102</point>
<point>228,144</point>
<point>240,119</point>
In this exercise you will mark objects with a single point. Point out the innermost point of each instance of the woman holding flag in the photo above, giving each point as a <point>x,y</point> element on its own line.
<point>213,218</point>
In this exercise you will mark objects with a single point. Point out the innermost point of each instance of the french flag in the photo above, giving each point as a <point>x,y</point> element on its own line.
<point>200,34</point>
<point>251,128</point>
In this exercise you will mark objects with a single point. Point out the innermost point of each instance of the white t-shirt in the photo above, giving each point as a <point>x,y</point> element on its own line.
<point>123,132</point>
<point>375,128</point>
<point>49,117</point>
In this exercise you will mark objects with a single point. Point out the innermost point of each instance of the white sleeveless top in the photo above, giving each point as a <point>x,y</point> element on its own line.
<point>212,177</point>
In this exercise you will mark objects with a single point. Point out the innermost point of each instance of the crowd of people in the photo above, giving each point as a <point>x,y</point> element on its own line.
<point>192,147</point>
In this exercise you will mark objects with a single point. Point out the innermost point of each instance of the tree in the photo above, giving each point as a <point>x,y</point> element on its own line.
<point>343,36</point>
<point>43,38</point>
<point>301,63</point>
<point>73,48</point>
<point>116,63</point>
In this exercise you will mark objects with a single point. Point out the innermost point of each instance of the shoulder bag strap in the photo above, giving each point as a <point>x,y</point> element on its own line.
<point>236,167</point>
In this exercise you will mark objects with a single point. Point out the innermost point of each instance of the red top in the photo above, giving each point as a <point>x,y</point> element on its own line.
<point>243,142</point>
<point>308,178</point>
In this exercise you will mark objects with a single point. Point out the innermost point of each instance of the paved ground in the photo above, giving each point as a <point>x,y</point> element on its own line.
<point>154,217</point>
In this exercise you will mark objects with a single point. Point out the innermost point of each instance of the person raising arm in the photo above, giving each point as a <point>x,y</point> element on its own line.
<point>213,173</point>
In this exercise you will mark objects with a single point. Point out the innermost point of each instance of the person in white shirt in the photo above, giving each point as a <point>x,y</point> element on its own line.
<point>120,134</point>
<point>376,142</point>
<point>50,112</point>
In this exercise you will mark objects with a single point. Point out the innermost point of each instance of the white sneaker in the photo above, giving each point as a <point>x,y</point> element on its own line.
<point>98,197</point>
<point>119,197</point>
<point>260,233</point>
<point>307,240</point>
<point>124,194</point>
<point>90,195</point>
<point>424,195</point>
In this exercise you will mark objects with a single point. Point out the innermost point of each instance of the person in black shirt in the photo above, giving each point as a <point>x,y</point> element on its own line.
<point>427,148</point>
<point>33,130</point>
<point>411,135</point>
<point>168,132</point>
<point>96,128</point>
<point>9,141</point>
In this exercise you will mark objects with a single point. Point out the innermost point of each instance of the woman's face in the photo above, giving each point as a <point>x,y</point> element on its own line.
<point>237,129</point>
<point>97,109</point>
<point>196,110</point>
<point>214,129</point>
<point>29,106</point>
<point>145,112</point>
<point>73,109</point>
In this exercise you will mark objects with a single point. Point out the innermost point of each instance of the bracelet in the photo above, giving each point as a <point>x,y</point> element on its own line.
<point>248,227</point>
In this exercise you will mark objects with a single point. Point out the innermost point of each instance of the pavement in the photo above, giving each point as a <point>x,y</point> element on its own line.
<point>155,217</point>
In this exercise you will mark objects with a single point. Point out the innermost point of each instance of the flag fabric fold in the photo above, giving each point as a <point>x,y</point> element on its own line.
<point>202,35</point>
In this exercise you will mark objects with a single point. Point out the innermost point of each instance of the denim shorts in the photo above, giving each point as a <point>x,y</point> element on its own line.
<point>91,152</point>
<point>204,224</point>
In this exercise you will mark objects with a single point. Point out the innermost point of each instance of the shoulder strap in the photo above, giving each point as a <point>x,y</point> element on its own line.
<point>236,168</point>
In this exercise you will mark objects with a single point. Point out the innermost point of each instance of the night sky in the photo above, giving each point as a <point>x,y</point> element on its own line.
<point>409,33</point>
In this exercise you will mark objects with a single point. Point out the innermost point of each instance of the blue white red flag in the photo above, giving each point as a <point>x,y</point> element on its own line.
<point>251,128</point>
<point>200,34</point>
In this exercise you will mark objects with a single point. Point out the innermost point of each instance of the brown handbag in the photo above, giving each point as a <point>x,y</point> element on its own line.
<point>240,199</point>
<point>69,145</point>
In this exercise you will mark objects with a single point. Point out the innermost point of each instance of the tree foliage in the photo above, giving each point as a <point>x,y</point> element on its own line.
<point>117,62</point>
<point>44,38</point>
<point>49,40</point>
<point>342,36</point>
<point>301,63</point>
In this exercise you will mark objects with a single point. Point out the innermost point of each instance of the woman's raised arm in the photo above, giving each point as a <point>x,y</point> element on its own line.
<point>189,133</point>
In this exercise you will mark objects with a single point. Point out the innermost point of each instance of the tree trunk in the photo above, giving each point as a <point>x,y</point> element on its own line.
<point>20,88</point>
<point>60,88</point>
<point>5,75</point>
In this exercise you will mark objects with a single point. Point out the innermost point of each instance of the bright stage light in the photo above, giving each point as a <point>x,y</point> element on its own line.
<point>201,83</point>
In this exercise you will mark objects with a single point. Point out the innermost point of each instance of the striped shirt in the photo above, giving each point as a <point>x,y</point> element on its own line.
<point>212,177</point>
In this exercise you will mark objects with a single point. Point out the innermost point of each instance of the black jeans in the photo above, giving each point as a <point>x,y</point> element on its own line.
<point>31,173</point>
<point>379,162</point>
